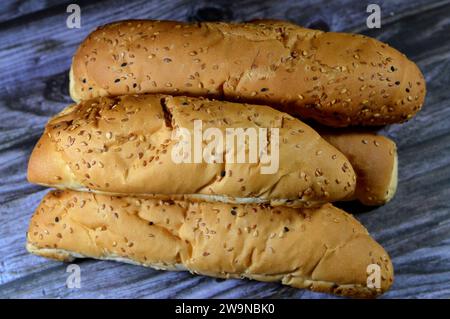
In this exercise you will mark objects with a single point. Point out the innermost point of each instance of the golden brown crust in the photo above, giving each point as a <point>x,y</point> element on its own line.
<point>334,78</point>
<point>322,249</point>
<point>374,159</point>
<point>123,145</point>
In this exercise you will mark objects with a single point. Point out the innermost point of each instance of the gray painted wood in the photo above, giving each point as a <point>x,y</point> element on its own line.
<point>35,52</point>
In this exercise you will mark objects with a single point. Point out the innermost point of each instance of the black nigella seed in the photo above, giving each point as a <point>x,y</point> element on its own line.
<point>123,64</point>
<point>150,223</point>
<point>264,89</point>
<point>117,80</point>
<point>397,82</point>
<point>286,229</point>
<point>222,173</point>
<point>56,219</point>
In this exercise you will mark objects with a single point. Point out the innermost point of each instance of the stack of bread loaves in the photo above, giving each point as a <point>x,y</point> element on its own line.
<point>123,195</point>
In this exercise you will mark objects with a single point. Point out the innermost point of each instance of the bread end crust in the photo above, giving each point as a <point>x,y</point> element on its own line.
<point>72,86</point>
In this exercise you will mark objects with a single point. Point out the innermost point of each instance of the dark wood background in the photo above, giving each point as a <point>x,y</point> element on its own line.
<point>35,52</point>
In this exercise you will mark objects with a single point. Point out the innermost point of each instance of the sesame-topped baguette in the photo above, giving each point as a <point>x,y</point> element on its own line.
<point>322,249</point>
<point>126,145</point>
<point>337,79</point>
<point>374,159</point>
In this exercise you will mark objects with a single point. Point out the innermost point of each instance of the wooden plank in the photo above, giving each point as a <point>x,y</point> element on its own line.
<point>420,35</point>
<point>416,276</point>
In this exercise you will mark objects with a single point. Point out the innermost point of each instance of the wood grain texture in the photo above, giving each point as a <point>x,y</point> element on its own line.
<point>35,52</point>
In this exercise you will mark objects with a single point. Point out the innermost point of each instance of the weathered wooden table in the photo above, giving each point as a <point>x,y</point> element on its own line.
<point>35,52</point>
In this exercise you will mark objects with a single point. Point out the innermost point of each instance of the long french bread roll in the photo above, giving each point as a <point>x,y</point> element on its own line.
<point>322,249</point>
<point>374,159</point>
<point>124,145</point>
<point>337,79</point>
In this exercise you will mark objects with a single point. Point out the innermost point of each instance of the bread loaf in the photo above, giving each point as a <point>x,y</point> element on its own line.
<point>374,159</point>
<point>124,145</point>
<point>323,249</point>
<point>337,79</point>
